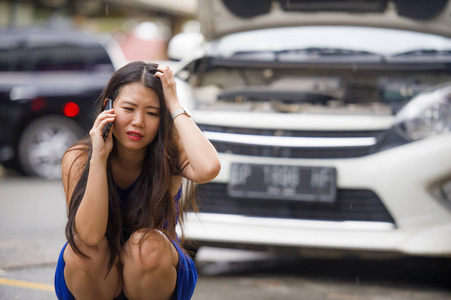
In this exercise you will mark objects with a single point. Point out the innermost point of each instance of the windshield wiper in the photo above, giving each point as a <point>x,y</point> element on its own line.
<point>423,52</point>
<point>325,52</point>
<point>305,54</point>
<point>255,94</point>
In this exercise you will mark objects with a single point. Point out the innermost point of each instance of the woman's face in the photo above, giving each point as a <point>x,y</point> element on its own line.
<point>137,110</point>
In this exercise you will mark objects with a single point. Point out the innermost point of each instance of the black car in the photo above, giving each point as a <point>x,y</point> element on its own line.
<point>48,82</point>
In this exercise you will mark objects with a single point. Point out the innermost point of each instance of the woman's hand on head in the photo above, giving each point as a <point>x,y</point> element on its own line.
<point>169,86</point>
<point>101,148</point>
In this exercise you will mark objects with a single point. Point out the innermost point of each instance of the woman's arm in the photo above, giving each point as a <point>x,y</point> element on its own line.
<point>203,159</point>
<point>92,215</point>
<point>196,148</point>
<point>91,218</point>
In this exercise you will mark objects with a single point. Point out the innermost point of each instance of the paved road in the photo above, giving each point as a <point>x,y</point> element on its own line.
<point>32,220</point>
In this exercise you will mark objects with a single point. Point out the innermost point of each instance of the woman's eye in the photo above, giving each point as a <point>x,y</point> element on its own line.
<point>152,114</point>
<point>128,108</point>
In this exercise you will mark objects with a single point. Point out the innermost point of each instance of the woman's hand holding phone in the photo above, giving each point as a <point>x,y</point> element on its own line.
<point>101,133</point>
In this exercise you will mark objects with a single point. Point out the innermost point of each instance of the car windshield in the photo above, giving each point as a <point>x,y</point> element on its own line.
<point>326,41</point>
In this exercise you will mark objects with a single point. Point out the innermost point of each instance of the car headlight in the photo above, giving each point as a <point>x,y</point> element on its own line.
<point>426,115</point>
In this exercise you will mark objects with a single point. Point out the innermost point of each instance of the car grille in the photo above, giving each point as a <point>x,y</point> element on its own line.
<point>350,205</point>
<point>292,152</point>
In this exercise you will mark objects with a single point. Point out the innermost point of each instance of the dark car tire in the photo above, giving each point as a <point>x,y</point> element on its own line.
<point>43,143</point>
<point>12,165</point>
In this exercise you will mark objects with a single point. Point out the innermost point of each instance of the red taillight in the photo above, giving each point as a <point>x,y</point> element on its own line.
<point>71,109</point>
<point>38,103</point>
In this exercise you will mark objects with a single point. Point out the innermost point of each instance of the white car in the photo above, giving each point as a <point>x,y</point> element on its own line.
<point>332,120</point>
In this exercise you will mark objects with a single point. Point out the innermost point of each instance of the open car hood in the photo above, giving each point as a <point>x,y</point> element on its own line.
<point>222,17</point>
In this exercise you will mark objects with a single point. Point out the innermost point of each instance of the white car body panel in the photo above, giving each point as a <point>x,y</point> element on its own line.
<point>217,21</point>
<point>406,173</point>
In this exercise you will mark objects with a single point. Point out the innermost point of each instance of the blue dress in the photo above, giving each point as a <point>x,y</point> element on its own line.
<point>186,269</point>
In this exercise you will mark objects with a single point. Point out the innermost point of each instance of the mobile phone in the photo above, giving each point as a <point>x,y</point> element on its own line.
<point>107,127</point>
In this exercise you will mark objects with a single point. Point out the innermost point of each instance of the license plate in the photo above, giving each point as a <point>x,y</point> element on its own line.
<point>312,184</point>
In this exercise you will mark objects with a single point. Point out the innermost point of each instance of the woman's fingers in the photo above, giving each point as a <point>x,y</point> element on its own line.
<point>164,68</point>
<point>108,119</point>
<point>103,119</point>
<point>101,148</point>
<point>104,114</point>
<point>165,74</point>
<point>169,87</point>
<point>169,84</point>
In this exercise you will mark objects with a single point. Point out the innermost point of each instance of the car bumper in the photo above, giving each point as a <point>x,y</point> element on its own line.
<point>404,179</point>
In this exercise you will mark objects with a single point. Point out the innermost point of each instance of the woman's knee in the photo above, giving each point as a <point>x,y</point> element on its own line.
<point>149,250</point>
<point>87,276</point>
<point>91,259</point>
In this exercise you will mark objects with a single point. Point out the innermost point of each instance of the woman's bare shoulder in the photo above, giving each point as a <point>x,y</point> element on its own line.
<point>75,156</point>
<point>72,165</point>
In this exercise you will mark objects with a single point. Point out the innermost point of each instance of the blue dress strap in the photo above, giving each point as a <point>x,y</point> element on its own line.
<point>178,195</point>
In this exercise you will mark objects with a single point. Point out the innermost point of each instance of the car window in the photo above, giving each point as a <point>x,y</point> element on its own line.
<point>11,57</point>
<point>98,59</point>
<point>57,58</point>
<point>5,59</point>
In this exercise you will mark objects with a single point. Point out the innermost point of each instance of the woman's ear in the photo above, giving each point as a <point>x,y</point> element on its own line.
<point>104,102</point>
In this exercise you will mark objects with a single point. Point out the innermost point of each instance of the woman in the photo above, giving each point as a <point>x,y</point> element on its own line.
<point>123,193</point>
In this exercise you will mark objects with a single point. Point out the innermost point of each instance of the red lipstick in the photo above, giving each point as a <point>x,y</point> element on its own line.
<point>136,136</point>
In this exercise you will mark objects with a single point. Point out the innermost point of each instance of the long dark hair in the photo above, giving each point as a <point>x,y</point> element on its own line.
<point>150,204</point>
